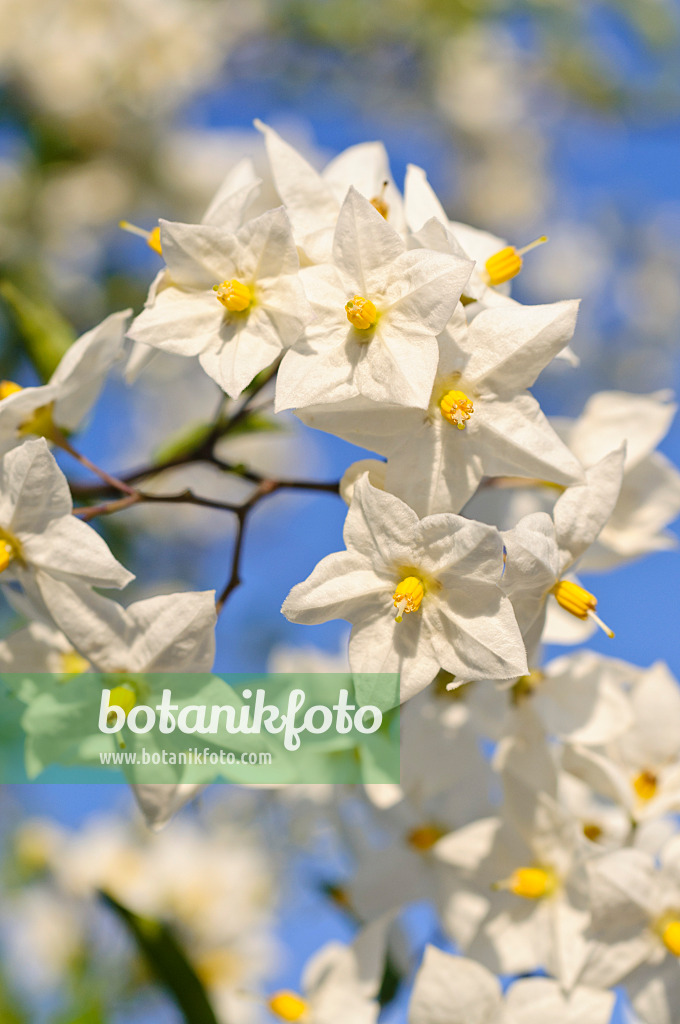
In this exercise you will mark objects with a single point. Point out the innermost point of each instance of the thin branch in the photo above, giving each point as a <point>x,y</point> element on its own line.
<point>113,483</point>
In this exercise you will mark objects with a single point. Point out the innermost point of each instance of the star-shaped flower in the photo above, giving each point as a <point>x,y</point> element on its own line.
<point>421,595</point>
<point>236,300</point>
<point>378,311</point>
<point>479,418</point>
<point>518,897</point>
<point>71,391</point>
<point>636,929</point>
<point>650,491</point>
<point>41,542</point>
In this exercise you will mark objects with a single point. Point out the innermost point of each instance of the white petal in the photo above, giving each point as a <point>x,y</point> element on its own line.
<point>452,990</point>
<point>341,586</point>
<point>364,243</point>
<point>511,345</point>
<point>33,490</point>
<point>583,509</point>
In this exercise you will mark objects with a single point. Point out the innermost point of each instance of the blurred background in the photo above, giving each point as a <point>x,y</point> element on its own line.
<point>557,117</point>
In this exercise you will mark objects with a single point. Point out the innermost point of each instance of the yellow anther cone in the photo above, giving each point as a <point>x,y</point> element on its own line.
<point>646,785</point>
<point>424,837</point>
<point>529,883</point>
<point>671,937</point>
<point>123,697</point>
<point>361,313</point>
<point>576,600</point>
<point>507,263</point>
<point>7,388</point>
<point>407,596</point>
<point>287,1005</point>
<point>456,408</point>
<point>234,295</point>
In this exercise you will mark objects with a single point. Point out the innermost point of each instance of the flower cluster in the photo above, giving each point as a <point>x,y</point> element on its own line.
<point>375,318</point>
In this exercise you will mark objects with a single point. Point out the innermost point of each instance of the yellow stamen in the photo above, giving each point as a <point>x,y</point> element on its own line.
<point>287,1005</point>
<point>123,697</point>
<point>5,555</point>
<point>73,664</point>
<point>234,296</point>
<point>579,602</point>
<point>507,263</point>
<point>424,837</point>
<point>7,388</point>
<point>592,831</point>
<point>361,313</point>
<point>41,423</point>
<point>530,883</point>
<point>10,548</point>
<point>407,596</point>
<point>645,785</point>
<point>152,238</point>
<point>457,408</point>
<point>379,201</point>
<point>670,936</point>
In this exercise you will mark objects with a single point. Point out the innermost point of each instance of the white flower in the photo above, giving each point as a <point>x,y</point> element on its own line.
<point>640,769</point>
<point>440,574</point>
<point>636,928</point>
<point>313,199</point>
<point>480,419</point>
<point>541,550</point>
<point>438,745</point>
<point>40,647</point>
<point>378,310</point>
<point>340,982</point>
<point>167,633</point>
<point>236,300</point>
<point>41,542</point>
<point>517,898</point>
<point>650,491</point>
<point>453,990</point>
<point>71,391</point>
<point>579,697</point>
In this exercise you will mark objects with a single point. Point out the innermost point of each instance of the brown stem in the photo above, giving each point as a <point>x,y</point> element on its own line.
<point>113,482</point>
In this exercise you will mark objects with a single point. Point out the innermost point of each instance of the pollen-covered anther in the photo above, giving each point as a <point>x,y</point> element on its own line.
<point>152,238</point>
<point>670,936</point>
<point>407,596</point>
<point>507,263</point>
<point>378,202</point>
<point>646,785</point>
<point>579,602</point>
<point>456,408</point>
<point>288,1006</point>
<point>361,313</point>
<point>234,295</point>
<point>7,388</point>
<point>530,883</point>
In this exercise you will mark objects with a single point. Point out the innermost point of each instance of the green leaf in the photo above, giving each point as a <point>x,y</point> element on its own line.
<point>45,332</point>
<point>254,423</point>
<point>168,963</point>
<point>183,443</point>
